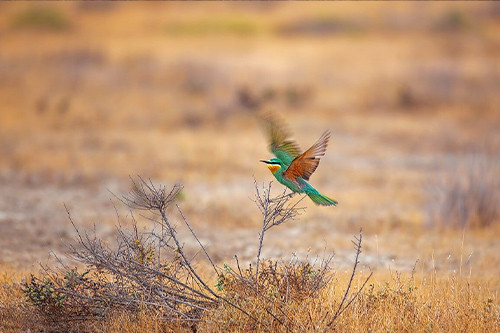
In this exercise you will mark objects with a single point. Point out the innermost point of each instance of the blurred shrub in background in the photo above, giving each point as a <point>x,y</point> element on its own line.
<point>218,25</point>
<point>41,17</point>
<point>467,194</point>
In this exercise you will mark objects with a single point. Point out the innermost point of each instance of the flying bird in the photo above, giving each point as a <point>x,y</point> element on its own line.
<point>290,167</point>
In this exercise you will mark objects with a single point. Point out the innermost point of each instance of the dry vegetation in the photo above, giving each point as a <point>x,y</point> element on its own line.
<point>94,92</point>
<point>147,281</point>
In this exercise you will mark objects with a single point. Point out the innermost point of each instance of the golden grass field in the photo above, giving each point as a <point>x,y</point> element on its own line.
<point>92,93</point>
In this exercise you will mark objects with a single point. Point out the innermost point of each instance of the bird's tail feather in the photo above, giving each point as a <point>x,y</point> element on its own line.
<point>322,200</point>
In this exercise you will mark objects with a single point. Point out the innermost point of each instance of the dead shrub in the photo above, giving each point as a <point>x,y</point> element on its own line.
<point>150,272</point>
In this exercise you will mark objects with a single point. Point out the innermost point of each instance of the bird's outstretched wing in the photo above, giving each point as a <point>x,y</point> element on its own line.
<point>279,143</point>
<point>305,164</point>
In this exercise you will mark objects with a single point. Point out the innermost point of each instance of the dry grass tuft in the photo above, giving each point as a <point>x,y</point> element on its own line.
<point>399,302</point>
<point>272,297</point>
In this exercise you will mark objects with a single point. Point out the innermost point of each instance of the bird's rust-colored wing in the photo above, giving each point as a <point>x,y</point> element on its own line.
<point>304,165</point>
<point>279,144</point>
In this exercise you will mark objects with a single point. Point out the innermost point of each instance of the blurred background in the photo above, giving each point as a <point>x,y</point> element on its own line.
<point>94,92</point>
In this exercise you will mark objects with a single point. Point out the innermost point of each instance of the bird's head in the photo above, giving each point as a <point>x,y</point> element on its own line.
<point>273,164</point>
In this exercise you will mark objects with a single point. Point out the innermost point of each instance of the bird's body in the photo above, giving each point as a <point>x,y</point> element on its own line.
<point>293,169</point>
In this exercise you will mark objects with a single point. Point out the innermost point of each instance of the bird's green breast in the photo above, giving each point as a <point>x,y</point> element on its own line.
<point>288,183</point>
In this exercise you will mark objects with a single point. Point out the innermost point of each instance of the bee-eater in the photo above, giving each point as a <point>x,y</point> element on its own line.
<point>290,167</point>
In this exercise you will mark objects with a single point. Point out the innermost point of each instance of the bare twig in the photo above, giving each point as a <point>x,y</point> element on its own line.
<point>341,308</point>
<point>275,211</point>
<point>197,239</point>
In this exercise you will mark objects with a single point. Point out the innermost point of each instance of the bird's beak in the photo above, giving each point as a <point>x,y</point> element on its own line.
<point>264,161</point>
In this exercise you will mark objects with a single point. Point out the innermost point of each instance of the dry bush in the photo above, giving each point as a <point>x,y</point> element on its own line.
<point>467,195</point>
<point>144,271</point>
<point>150,273</point>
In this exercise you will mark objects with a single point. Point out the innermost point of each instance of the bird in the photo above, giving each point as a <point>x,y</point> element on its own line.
<point>292,168</point>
